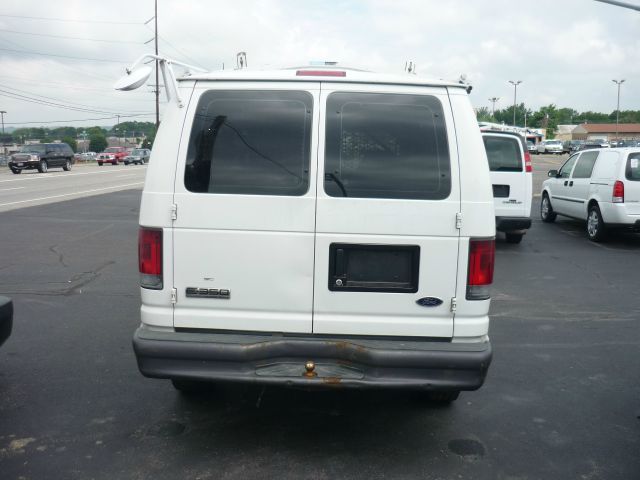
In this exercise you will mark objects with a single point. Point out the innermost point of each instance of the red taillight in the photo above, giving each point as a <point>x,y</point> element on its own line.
<point>527,162</point>
<point>150,257</point>
<point>480,273</point>
<point>321,73</point>
<point>618,192</point>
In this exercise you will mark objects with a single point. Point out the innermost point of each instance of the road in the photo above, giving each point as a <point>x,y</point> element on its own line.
<point>31,188</point>
<point>561,401</point>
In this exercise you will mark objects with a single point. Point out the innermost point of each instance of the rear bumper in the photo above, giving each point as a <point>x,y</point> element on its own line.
<point>510,224</point>
<point>277,359</point>
<point>6,318</point>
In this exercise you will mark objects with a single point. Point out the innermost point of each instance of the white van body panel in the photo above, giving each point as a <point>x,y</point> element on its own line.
<point>259,247</point>
<point>429,224</point>
<point>518,202</point>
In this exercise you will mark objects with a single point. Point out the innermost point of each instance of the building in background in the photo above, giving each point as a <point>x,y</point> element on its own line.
<point>606,131</point>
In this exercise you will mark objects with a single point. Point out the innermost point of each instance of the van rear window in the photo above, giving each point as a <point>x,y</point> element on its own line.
<point>250,142</point>
<point>386,146</point>
<point>503,154</point>
<point>633,167</point>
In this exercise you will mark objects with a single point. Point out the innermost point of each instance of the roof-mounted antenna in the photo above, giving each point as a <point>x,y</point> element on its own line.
<point>241,60</point>
<point>410,67</point>
<point>137,75</point>
<point>463,80</point>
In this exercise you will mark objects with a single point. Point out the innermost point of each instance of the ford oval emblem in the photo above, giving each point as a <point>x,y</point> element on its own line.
<point>429,302</point>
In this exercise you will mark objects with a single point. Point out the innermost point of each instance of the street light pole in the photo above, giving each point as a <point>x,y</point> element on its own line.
<point>515,84</point>
<point>4,149</point>
<point>618,82</point>
<point>493,101</point>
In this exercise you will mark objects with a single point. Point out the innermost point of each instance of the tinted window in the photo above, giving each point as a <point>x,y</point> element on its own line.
<point>565,170</point>
<point>386,146</point>
<point>503,154</point>
<point>633,167</point>
<point>33,149</point>
<point>584,167</point>
<point>250,142</point>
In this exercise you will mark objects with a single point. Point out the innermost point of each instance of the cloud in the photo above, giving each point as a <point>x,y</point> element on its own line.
<point>565,52</point>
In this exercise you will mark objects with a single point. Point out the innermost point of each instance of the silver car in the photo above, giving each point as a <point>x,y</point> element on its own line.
<point>551,146</point>
<point>138,156</point>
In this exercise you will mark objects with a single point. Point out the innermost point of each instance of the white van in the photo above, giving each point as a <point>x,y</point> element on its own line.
<point>511,179</point>
<point>600,186</point>
<point>317,226</point>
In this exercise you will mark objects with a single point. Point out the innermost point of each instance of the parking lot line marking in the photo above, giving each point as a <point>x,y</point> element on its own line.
<point>49,175</point>
<point>70,194</point>
<point>12,188</point>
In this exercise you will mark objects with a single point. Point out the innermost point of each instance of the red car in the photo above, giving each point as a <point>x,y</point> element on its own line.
<point>112,155</point>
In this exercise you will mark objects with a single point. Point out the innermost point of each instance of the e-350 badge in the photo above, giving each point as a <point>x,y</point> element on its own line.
<point>222,293</point>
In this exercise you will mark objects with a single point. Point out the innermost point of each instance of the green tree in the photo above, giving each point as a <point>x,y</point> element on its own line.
<point>148,141</point>
<point>484,115</point>
<point>97,142</point>
<point>71,142</point>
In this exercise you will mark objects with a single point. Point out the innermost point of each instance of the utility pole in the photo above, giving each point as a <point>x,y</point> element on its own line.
<point>493,101</point>
<point>515,92</point>
<point>4,149</point>
<point>155,22</point>
<point>618,82</point>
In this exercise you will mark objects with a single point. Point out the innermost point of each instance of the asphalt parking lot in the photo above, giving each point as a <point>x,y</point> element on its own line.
<point>561,401</point>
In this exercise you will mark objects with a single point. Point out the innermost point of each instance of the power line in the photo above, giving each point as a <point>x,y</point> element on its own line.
<point>25,98</point>
<point>31,52</point>
<point>79,120</point>
<point>58,100</point>
<point>70,38</point>
<point>55,19</point>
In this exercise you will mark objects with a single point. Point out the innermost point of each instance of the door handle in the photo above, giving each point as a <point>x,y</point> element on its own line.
<point>566,182</point>
<point>571,183</point>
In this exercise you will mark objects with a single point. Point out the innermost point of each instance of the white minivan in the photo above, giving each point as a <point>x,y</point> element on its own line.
<point>601,186</point>
<point>511,179</point>
<point>317,226</point>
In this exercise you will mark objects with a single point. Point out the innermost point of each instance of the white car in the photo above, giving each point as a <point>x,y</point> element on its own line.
<point>511,179</point>
<point>600,186</point>
<point>551,146</point>
<point>316,227</point>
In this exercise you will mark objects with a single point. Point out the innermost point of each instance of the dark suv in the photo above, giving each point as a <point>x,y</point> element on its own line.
<point>42,156</point>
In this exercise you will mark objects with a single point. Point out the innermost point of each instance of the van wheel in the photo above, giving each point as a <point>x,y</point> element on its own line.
<point>67,166</point>
<point>513,237</point>
<point>16,171</point>
<point>546,210</point>
<point>188,387</point>
<point>443,397</point>
<point>43,167</point>
<point>596,229</point>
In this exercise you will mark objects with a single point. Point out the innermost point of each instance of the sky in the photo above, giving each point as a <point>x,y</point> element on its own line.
<point>565,52</point>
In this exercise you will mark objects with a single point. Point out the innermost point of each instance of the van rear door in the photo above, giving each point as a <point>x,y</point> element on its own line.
<point>511,183</point>
<point>386,248</point>
<point>243,236</point>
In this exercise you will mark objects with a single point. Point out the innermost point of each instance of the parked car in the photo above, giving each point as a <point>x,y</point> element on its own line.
<point>571,146</point>
<point>6,318</point>
<point>589,146</point>
<point>41,157</point>
<point>349,233</point>
<point>550,146</point>
<point>138,156</point>
<point>511,178</point>
<point>531,147</point>
<point>89,156</point>
<point>112,155</point>
<point>599,186</point>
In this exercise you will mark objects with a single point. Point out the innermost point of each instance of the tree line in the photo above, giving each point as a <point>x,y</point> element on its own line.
<point>551,116</point>
<point>143,132</point>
